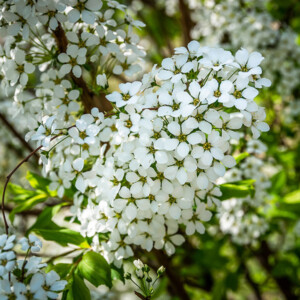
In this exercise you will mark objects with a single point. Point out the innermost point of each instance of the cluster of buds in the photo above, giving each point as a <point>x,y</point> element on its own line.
<point>144,280</point>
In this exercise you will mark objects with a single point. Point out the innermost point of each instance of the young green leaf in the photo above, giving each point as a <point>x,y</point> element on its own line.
<point>95,269</point>
<point>78,290</point>
<point>241,157</point>
<point>62,236</point>
<point>237,189</point>
<point>44,220</point>
<point>28,204</point>
<point>117,274</point>
<point>292,198</point>
<point>37,182</point>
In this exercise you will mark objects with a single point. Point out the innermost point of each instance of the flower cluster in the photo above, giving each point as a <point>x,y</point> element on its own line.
<point>169,142</point>
<point>143,161</point>
<point>243,218</point>
<point>234,24</point>
<point>62,42</point>
<point>25,278</point>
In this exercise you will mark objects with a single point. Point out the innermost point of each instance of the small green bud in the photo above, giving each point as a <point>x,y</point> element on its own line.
<point>127,276</point>
<point>149,279</point>
<point>160,271</point>
<point>146,269</point>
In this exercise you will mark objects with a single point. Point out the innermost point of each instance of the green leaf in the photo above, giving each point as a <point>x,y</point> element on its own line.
<point>40,183</point>
<point>44,220</point>
<point>292,198</point>
<point>62,269</point>
<point>116,273</point>
<point>241,157</point>
<point>62,236</point>
<point>95,269</point>
<point>28,204</point>
<point>78,290</point>
<point>37,182</point>
<point>232,281</point>
<point>278,182</point>
<point>237,189</point>
<point>219,290</point>
<point>19,193</point>
<point>276,213</point>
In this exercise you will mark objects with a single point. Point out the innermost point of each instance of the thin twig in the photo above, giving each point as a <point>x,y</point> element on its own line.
<point>150,108</point>
<point>141,296</point>
<point>14,170</point>
<point>62,254</point>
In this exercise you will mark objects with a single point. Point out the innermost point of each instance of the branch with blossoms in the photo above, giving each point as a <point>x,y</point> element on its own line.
<point>141,165</point>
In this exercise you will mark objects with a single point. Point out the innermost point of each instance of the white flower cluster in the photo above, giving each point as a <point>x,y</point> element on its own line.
<point>23,279</point>
<point>62,41</point>
<point>168,144</point>
<point>150,165</point>
<point>243,218</point>
<point>234,24</point>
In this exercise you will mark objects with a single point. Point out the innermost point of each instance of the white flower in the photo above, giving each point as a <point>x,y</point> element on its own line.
<point>128,94</point>
<point>18,69</point>
<point>172,69</point>
<point>220,91</point>
<point>249,63</point>
<point>193,219</point>
<point>85,131</point>
<point>216,58</point>
<point>212,148</point>
<point>7,242</point>
<point>7,262</point>
<point>46,131</point>
<point>72,61</point>
<point>61,182</point>
<point>33,243</point>
<point>84,9</point>
<point>46,286</point>
<point>184,136</point>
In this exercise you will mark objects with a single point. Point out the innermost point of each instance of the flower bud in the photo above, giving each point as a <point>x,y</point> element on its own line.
<point>146,269</point>
<point>160,271</point>
<point>138,264</point>
<point>139,273</point>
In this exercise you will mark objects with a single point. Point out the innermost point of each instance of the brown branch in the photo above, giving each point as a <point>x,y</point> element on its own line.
<point>161,16</point>
<point>186,21</point>
<point>89,99</point>
<point>16,134</point>
<point>141,296</point>
<point>254,286</point>
<point>33,212</point>
<point>284,283</point>
<point>12,173</point>
<point>150,108</point>
<point>7,181</point>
